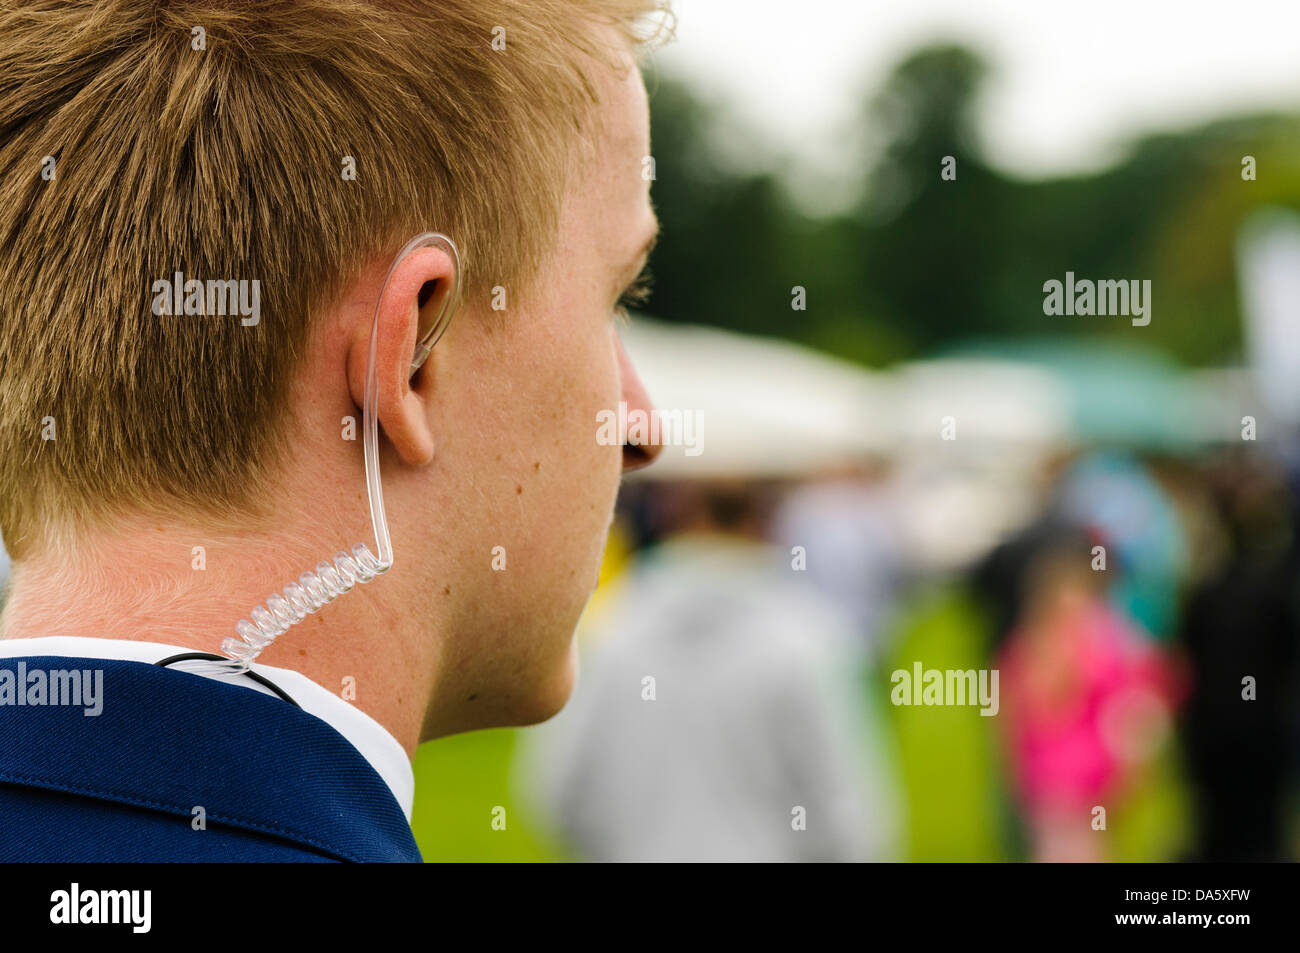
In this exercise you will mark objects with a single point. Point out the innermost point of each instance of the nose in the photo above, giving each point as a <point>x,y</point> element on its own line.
<point>635,456</point>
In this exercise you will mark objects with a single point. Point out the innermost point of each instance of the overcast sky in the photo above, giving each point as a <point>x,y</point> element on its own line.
<point>1070,81</point>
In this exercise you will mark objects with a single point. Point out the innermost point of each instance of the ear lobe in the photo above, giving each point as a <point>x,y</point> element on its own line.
<point>402,410</point>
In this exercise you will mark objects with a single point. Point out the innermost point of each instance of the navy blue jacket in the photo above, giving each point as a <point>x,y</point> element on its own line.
<point>275,783</point>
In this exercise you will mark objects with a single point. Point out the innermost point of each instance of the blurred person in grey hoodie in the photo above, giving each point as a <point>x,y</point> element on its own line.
<point>719,715</point>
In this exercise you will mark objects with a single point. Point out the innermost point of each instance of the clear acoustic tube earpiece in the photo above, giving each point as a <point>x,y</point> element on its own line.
<point>327,582</point>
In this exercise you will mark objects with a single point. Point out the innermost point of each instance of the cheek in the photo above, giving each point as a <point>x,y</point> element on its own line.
<point>564,516</point>
<point>559,374</point>
<point>589,469</point>
<point>595,389</point>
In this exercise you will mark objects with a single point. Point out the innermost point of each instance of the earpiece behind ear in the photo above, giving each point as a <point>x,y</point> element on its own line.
<point>314,589</point>
<point>427,335</point>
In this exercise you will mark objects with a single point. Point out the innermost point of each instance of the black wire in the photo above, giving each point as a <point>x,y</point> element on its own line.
<point>260,679</point>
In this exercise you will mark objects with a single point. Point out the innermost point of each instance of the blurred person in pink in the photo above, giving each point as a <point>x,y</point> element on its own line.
<point>1086,701</point>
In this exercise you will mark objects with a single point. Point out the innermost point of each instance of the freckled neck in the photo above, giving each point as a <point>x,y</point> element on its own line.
<point>155,585</point>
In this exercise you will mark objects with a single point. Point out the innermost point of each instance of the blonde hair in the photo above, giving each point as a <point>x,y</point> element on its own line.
<point>208,138</point>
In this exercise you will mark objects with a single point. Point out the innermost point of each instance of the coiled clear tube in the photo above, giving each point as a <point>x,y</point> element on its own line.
<point>299,599</point>
<point>327,582</point>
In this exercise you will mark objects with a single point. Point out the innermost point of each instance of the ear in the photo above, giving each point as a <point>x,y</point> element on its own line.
<point>411,300</point>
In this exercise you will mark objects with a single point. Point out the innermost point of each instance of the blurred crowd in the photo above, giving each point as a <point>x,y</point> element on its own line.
<point>734,700</point>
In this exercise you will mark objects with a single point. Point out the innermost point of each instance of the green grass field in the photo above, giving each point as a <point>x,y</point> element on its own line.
<point>459,781</point>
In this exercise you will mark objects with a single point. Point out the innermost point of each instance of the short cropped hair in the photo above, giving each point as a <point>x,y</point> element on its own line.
<point>285,142</point>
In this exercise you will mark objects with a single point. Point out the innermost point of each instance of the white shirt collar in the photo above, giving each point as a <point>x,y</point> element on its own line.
<point>369,737</point>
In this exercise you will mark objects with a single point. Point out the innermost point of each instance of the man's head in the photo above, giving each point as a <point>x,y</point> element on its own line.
<point>299,145</point>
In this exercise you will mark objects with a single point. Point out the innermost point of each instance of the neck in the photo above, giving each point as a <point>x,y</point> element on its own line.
<point>188,587</point>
